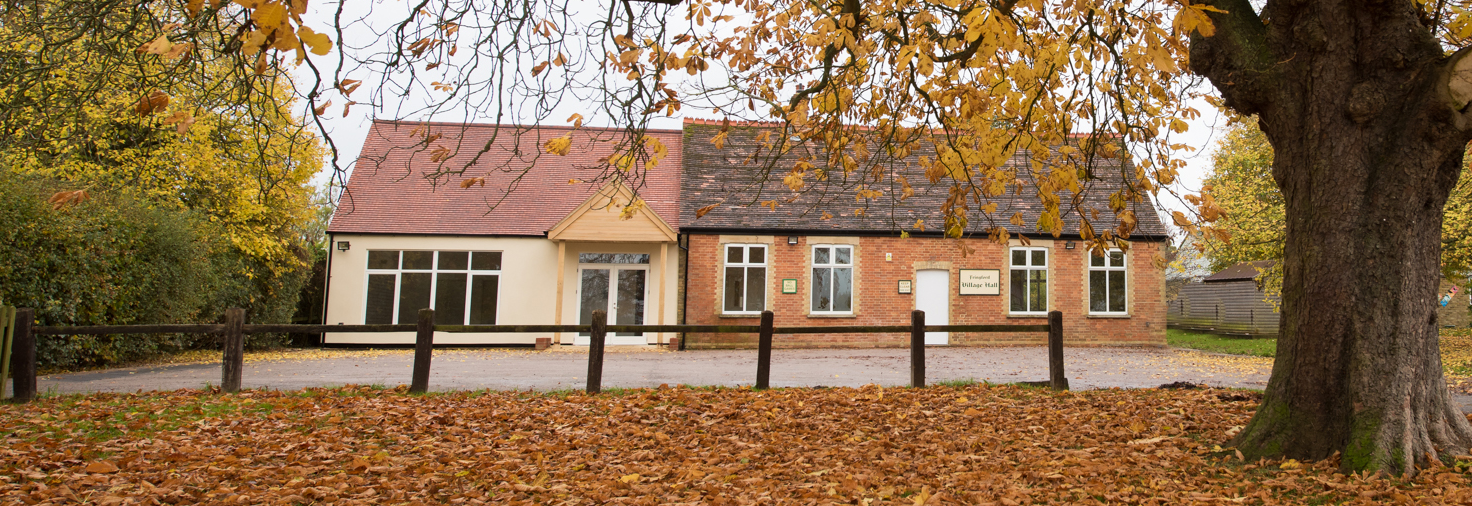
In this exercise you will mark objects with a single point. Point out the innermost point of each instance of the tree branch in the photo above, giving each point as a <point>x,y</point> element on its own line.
<point>850,7</point>
<point>1004,7</point>
<point>1236,58</point>
<point>1455,86</point>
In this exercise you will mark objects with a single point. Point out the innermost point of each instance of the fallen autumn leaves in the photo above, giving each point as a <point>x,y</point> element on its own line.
<point>939,445</point>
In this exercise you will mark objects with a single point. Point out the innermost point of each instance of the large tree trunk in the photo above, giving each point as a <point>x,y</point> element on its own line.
<point>1367,150</point>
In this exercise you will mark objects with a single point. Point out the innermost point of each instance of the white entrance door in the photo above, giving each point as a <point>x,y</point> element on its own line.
<point>618,290</point>
<point>933,296</point>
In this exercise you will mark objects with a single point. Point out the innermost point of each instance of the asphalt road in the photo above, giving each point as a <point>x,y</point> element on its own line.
<point>566,368</point>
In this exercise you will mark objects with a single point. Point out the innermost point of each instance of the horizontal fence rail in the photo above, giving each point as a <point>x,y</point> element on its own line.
<point>128,329</point>
<point>24,366</point>
<point>514,329</point>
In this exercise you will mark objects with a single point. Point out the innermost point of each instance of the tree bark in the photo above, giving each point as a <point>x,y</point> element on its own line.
<point>1367,148</point>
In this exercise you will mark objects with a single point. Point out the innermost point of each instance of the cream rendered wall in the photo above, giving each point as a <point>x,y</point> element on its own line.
<point>571,283</point>
<point>528,285</point>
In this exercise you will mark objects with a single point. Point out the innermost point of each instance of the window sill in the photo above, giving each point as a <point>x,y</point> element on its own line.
<point>739,315</point>
<point>1027,315</point>
<point>1107,316</point>
<point>839,315</point>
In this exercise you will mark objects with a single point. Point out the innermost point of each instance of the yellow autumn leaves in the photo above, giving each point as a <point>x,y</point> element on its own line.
<point>273,25</point>
<point>163,47</point>
<point>277,25</point>
<point>560,145</point>
<point>646,148</point>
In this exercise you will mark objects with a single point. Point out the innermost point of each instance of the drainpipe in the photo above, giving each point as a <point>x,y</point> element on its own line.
<point>684,285</point>
<point>327,284</point>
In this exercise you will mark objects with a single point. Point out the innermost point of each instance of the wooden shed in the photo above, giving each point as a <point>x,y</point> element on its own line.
<point>1228,302</point>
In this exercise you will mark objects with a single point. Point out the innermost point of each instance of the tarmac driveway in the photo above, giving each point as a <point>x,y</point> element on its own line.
<point>566,368</point>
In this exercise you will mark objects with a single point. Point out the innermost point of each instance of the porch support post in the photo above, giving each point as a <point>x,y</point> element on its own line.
<point>561,265</point>
<point>664,255</point>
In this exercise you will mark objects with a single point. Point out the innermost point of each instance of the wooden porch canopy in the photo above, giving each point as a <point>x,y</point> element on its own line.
<point>600,219</point>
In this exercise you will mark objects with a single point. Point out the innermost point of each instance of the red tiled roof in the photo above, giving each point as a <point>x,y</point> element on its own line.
<point>719,122</point>
<point>779,124</point>
<point>526,190</point>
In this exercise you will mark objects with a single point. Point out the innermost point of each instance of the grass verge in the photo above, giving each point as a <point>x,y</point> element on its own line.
<point>1258,347</point>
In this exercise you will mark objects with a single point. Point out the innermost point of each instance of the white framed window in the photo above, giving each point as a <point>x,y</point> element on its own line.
<point>461,286</point>
<point>1107,283</point>
<point>746,279</point>
<point>833,279</point>
<point>1029,281</point>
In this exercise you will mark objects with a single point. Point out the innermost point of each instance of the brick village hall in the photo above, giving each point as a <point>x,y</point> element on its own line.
<point>531,248</point>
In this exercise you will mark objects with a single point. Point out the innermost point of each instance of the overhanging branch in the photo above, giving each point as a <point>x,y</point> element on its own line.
<point>1236,58</point>
<point>1456,87</point>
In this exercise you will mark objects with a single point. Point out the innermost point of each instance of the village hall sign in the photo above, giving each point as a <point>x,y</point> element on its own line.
<point>981,282</point>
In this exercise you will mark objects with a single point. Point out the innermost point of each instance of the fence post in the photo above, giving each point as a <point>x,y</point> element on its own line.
<point>234,360</point>
<point>1056,379</point>
<point>764,352</point>
<point>23,357</point>
<point>595,351</point>
<point>423,349</point>
<point>7,342</point>
<point>917,348</point>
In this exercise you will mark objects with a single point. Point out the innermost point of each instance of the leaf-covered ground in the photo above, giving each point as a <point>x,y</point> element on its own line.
<point>939,445</point>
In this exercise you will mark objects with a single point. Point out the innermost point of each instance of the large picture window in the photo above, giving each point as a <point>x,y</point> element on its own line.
<point>1029,280</point>
<point>461,286</point>
<point>746,279</point>
<point>833,279</point>
<point>1107,283</point>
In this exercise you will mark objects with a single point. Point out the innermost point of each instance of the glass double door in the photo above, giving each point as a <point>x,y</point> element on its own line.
<point>621,291</point>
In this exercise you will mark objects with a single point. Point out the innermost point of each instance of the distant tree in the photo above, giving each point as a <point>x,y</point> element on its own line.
<point>1184,264</point>
<point>1253,226</point>
<point>1456,230</point>
<point>102,99</point>
<point>310,303</point>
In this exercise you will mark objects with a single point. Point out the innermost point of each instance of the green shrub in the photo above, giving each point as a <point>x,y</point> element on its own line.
<point>116,260</point>
<point>246,282</point>
<point>107,260</point>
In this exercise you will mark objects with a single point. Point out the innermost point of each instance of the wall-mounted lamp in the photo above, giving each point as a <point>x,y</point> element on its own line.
<point>792,240</point>
<point>1068,245</point>
<point>343,245</point>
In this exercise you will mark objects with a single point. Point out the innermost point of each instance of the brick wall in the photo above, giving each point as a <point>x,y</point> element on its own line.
<point>877,301</point>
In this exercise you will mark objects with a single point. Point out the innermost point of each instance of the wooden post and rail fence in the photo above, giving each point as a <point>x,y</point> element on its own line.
<point>19,351</point>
